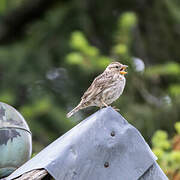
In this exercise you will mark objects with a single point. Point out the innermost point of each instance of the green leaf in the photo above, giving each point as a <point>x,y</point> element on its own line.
<point>160,140</point>
<point>164,69</point>
<point>177,127</point>
<point>103,61</point>
<point>78,40</point>
<point>90,51</point>
<point>120,49</point>
<point>174,89</point>
<point>74,58</point>
<point>7,97</point>
<point>128,20</point>
<point>2,6</point>
<point>158,152</point>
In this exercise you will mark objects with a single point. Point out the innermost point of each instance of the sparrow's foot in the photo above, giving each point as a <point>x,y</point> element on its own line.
<point>104,103</point>
<point>116,109</point>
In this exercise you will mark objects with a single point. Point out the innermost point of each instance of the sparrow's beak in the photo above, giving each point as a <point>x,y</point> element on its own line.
<point>123,68</point>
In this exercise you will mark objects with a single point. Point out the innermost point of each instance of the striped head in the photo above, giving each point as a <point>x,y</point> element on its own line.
<point>116,67</point>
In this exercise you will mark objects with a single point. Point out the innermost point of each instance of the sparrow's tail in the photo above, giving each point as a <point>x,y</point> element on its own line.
<point>77,108</point>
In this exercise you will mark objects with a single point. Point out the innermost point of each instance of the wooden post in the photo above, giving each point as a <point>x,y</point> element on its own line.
<point>33,175</point>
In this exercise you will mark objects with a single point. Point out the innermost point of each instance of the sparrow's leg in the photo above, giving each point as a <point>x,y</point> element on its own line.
<point>104,103</point>
<point>116,109</point>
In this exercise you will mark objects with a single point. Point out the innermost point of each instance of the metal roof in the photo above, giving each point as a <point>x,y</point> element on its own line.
<point>102,147</point>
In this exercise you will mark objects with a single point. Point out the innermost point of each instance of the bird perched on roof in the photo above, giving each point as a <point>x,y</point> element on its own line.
<point>105,89</point>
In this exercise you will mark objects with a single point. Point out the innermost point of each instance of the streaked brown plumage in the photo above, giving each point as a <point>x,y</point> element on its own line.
<point>105,89</point>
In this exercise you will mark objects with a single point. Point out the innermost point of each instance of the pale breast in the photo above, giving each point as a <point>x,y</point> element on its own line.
<point>113,93</point>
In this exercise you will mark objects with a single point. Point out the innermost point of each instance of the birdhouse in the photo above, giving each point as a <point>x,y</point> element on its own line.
<point>15,140</point>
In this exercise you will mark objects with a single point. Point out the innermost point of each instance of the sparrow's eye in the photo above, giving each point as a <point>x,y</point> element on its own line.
<point>117,67</point>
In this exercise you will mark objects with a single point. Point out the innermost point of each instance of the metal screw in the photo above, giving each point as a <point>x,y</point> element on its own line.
<point>112,133</point>
<point>106,164</point>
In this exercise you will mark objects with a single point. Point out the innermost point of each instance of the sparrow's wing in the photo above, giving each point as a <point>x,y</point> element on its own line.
<point>100,83</point>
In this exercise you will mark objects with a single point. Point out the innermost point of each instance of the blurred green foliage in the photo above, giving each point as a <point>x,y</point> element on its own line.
<point>85,55</point>
<point>45,72</point>
<point>168,151</point>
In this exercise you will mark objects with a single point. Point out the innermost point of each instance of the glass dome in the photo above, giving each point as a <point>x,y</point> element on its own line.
<point>10,117</point>
<point>15,140</point>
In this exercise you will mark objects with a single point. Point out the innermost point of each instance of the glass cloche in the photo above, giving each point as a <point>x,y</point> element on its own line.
<point>15,140</point>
